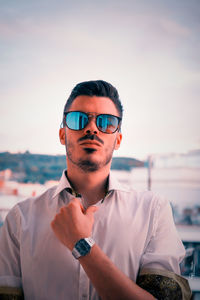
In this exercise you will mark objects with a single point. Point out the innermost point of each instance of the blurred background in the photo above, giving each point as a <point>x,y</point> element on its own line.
<point>149,50</point>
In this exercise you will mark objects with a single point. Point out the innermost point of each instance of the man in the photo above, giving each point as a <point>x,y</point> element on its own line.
<point>90,237</point>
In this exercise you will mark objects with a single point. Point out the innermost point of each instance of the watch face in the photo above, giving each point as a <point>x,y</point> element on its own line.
<point>82,247</point>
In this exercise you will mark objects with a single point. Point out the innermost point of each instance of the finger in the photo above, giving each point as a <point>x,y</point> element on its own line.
<point>53,225</point>
<point>91,210</point>
<point>78,201</point>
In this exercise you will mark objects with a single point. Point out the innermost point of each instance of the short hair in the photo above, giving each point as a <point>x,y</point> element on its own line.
<point>97,88</point>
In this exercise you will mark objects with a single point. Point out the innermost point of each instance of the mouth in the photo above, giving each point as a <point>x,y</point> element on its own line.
<point>92,139</point>
<point>90,144</point>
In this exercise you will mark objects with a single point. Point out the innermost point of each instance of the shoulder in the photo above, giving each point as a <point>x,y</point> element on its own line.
<point>142,198</point>
<point>42,199</point>
<point>126,191</point>
<point>26,214</point>
<point>30,206</point>
<point>146,205</point>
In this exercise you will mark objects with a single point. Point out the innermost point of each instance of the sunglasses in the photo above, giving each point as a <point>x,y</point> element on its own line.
<point>78,120</point>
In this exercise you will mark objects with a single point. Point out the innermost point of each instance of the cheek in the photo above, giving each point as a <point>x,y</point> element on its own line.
<point>110,145</point>
<point>71,141</point>
<point>70,144</point>
<point>71,137</point>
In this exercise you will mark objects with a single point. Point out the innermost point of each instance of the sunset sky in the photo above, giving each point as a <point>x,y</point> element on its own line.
<point>149,50</point>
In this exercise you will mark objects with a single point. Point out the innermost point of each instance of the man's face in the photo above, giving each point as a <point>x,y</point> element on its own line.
<point>90,154</point>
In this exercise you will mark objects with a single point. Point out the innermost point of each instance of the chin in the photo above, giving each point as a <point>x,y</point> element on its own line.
<point>89,165</point>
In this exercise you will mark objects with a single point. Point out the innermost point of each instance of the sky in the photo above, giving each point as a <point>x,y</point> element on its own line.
<point>149,50</point>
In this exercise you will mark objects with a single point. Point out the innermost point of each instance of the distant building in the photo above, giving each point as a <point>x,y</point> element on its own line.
<point>190,160</point>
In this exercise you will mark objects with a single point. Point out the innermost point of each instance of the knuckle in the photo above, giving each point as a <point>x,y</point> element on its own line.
<point>74,202</point>
<point>71,205</point>
<point>62,210</point>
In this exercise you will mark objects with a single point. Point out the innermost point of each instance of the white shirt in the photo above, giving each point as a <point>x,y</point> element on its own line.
<point>135,229</point>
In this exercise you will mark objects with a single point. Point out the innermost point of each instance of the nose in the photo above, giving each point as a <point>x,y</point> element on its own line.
<point>91,126</point>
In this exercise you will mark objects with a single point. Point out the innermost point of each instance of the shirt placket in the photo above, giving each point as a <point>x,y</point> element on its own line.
<point>83,285</point>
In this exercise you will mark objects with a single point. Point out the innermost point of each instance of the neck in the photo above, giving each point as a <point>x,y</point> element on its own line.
<point>91,185</point>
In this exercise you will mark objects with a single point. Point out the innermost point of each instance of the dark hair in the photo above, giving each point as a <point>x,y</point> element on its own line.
<point>95,88</point>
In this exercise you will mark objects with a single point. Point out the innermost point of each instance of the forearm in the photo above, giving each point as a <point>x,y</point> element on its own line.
<point>108,280</point>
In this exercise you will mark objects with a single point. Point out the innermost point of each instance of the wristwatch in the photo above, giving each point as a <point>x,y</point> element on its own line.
<point>82,247</point>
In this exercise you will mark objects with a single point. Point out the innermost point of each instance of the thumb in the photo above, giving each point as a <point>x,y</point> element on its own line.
<point>77,200</point>
<point>91,210</point>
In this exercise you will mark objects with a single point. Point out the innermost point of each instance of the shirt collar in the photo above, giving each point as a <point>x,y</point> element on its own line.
<point>63,184</point>
<point>113,184</point>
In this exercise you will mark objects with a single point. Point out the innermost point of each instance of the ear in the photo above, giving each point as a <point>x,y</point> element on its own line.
<point>118,140</point>
<point>62,135</point>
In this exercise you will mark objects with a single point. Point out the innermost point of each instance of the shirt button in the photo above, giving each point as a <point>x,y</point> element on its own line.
<point>84,296</point>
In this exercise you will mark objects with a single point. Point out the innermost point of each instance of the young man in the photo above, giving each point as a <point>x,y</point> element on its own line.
<point>90,237</point>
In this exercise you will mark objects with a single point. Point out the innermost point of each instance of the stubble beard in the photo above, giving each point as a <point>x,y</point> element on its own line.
<point>88,165</point>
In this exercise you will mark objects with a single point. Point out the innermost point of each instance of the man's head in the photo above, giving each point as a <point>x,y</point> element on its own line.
<point>91,125</point>
<point>97,88</point>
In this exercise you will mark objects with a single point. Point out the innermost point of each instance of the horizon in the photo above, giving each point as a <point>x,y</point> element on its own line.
<point>191,151</point>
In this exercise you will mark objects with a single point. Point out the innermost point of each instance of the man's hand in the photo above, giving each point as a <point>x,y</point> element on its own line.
<point>73,223</point>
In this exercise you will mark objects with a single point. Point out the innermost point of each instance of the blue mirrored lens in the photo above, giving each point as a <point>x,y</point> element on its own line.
<point>107,123</point>
<point>76,120</point>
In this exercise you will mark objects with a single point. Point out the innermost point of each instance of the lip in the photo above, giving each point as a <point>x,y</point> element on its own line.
<point>90,143</point>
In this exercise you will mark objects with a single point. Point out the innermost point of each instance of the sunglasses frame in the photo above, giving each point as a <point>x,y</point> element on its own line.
<point>94,115</point>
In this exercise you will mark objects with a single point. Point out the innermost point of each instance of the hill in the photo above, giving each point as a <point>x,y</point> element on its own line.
<point>27,167</point>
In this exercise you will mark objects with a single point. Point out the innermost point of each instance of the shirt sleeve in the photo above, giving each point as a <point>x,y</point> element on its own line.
<point>159,267</point>
<point>10,272</point>
<point>165,250</point>
<point>164,285</point>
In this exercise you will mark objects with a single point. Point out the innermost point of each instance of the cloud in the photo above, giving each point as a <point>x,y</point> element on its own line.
<point>173,28</point>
